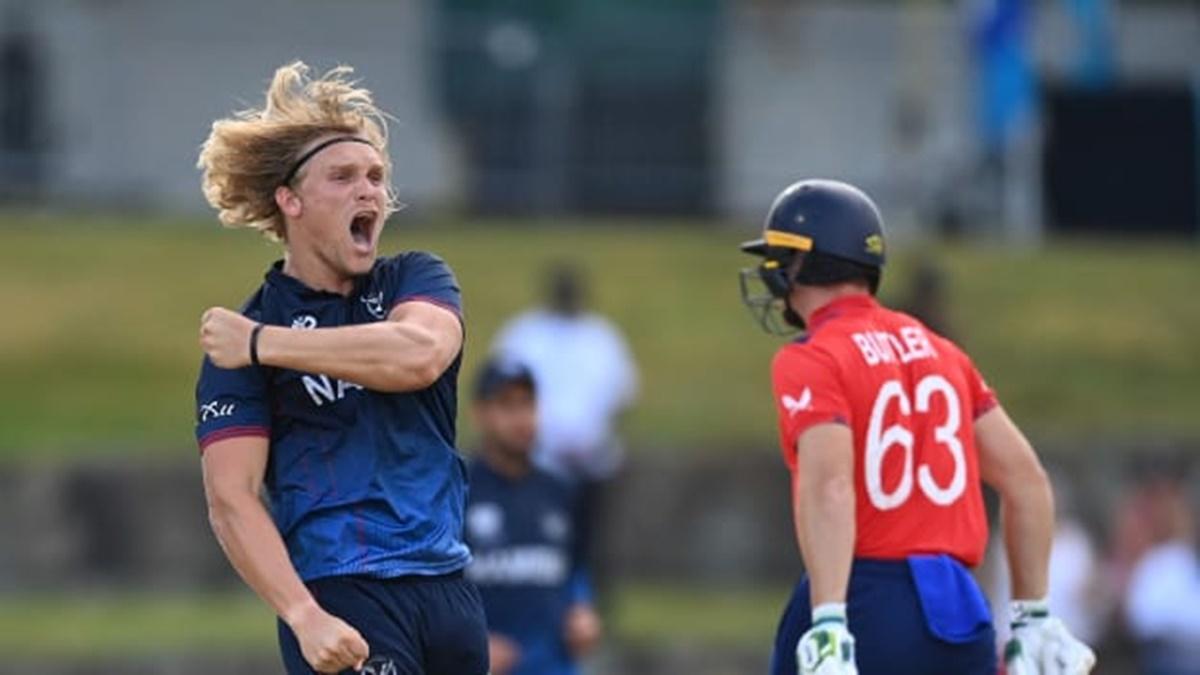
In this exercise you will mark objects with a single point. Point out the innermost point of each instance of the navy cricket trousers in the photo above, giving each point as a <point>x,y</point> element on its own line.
<point>413,625</point>
<point>891,629</point>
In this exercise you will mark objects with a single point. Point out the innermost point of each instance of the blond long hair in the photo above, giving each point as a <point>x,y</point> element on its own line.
<point>247,156</point>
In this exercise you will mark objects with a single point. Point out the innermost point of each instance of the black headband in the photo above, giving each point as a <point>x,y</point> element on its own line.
<point>317,148</point>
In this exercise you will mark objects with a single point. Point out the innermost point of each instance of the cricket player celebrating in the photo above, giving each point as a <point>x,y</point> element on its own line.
<point>334,389</point>
<point>888,430</point>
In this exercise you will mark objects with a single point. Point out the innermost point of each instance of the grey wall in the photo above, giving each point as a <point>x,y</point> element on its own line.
<point>801,88</point>
<point>136,84</point>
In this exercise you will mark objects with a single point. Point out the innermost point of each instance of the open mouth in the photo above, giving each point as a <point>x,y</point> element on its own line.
<point>362,228</point>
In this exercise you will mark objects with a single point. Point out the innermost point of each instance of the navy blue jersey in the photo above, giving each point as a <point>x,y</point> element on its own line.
<point>359,481</point>
<point>526,563</point>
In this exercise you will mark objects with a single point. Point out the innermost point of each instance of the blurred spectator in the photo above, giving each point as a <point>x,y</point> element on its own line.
<point>1129,539</point>
<point>519,524</point>
<point>1074,568</point>
<point>999,32</point>
<point>1162,599</point>
<point>1004,188</point>
<point>1074,579</point>
<point>1096,61</point>
<point>22,113</point>
<point>586,378</point>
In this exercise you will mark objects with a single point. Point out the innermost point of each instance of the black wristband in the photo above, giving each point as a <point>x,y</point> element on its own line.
<point>254,343</point>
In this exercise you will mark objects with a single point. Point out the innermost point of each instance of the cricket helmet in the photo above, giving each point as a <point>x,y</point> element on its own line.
<point>817,232</point>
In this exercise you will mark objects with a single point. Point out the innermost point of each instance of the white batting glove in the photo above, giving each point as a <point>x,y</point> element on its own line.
<point>1042,645</point>
<point>828,647</point>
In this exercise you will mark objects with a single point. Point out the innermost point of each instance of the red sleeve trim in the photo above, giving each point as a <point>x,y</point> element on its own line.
<point>829,418</point>
<point>986,407</point>
<point>429,299</point>
<point>232,432</point>
<point>789,450</point>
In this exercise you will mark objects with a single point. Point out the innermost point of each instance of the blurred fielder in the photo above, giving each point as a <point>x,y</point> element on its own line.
<point>335,390</point>
<point>888,430</point>
<point>529,564</point>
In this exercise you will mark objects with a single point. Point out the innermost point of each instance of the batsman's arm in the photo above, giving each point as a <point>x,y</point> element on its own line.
<point>233,473</point>
<point>823,509</point>
<point>1009,464</point>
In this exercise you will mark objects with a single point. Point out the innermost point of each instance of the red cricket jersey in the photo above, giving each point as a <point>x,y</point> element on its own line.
<point>911,398</point>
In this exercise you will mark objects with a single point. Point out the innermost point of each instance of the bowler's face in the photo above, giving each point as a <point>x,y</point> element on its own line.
<point>343,189</point>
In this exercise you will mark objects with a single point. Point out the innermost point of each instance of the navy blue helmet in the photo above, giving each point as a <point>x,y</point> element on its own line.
<point>817,232</point>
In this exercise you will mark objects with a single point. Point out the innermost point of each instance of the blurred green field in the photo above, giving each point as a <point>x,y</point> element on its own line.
<point>105,625</point>
<point>99,353</point>
<point>123,625</point>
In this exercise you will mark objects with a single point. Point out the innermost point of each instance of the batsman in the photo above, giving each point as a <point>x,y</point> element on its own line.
<point>888,430</point>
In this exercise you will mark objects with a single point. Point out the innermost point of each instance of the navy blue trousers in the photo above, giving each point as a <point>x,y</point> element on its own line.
<point>413,625</point>
<point>891,634</point>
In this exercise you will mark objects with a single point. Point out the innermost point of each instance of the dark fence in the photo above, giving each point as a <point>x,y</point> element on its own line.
<point>582,106</point>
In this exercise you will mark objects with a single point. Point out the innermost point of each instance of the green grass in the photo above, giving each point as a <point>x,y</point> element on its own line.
<point>129,625</point>
<point>103,626</point>
<point>99,353</point>
<point>1088,339</point>
<point>651,616</point>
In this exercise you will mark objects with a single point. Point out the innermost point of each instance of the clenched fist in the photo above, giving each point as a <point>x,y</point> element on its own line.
<point>225,337</point>
<point>329,644</point>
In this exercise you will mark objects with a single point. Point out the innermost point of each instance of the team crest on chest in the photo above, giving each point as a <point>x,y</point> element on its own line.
<point>379,666</point>
<point>304,322</point>
<point>374,304</point>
